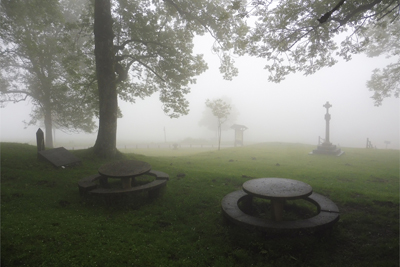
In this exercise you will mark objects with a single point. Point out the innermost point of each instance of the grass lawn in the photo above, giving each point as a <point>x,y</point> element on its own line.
<point>45,222</point>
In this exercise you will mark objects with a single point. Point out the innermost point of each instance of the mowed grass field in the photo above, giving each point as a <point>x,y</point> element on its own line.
<point>45,222</point>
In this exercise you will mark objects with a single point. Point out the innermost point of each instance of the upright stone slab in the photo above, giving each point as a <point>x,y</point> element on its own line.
<point>40,140</point>
<point>326,147</point>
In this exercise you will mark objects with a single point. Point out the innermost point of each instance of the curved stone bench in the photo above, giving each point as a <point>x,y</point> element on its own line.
<point>328,215</point>
<point>89,185</point>
<point>159,175</point>
<point>152,186</point>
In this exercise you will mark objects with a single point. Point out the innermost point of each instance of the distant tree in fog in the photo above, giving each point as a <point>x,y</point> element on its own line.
<point>43,58</point>
<point>208,119</point>
<point>220,109</point>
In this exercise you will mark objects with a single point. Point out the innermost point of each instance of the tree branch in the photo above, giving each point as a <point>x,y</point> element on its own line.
<point>15,100</point>
<point>186,14</point>
<point>122,46</point>
<point>328,14</point>
<point>17,92</point>
<point>389,11</point>
<point>150,69</point>
<point>359,9</point>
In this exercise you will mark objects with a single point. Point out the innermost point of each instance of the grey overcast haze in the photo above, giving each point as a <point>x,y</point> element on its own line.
<point>291,111</point>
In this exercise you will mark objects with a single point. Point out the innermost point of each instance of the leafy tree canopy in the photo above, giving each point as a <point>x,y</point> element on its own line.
<point>154,46</point>
<point>146,46</point>
<point>208,118</point>
<point>385,41</point>
<point>44,58</point>
<point>221,110</point>
<point>305,36</point>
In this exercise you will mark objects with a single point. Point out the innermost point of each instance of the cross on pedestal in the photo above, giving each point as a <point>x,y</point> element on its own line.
<point>326,147</point>
<point>327,118</point>
<point>327,106</point>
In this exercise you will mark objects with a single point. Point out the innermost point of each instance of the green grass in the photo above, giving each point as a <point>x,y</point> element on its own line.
<point>44,221</point>
<point>168,152</point>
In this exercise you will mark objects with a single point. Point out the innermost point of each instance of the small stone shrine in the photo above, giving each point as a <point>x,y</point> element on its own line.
<point>239,129</point>
<point>326,147</point>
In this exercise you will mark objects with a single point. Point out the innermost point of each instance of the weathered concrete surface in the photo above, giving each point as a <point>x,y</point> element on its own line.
<point>59,157</point>
<point>89,185</point>
<point>274,188</point>
<point>328,215</point>
<point>327,149</point>
<point>124,168</point>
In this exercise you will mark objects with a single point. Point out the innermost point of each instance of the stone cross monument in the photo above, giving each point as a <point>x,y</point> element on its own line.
<point>327,118</point>
<point>326,147</point>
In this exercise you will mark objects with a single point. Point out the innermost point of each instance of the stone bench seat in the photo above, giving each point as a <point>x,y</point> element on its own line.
<point>90,185</point>
<point>328,215</point>
<point>159,175</point>
<point>154,185</point>
<point>323,203</point>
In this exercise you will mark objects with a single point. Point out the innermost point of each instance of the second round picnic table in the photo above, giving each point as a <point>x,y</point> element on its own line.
<point>278,190</point>
<point>126,170</point>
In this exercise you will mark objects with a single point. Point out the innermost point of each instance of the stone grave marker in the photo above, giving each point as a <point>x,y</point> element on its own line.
<point>40,140</point>
<point>59,157</point>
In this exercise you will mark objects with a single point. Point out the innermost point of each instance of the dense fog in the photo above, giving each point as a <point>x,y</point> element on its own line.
<point>291,111</point>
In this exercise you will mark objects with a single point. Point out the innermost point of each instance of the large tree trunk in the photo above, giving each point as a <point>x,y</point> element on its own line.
<point>105,145</point>
<point>48,122</point>
<point>48,125</point>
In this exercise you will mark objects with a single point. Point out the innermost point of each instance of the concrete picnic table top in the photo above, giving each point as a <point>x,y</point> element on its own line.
<point>277,188</point>
<point>124,169</point>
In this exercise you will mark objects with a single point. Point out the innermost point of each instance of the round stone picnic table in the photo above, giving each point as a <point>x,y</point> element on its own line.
<point>124,170</point>
<point>278,190</point>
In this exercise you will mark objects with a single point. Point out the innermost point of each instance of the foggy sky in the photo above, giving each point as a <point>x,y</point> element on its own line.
<point>291,111</point>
